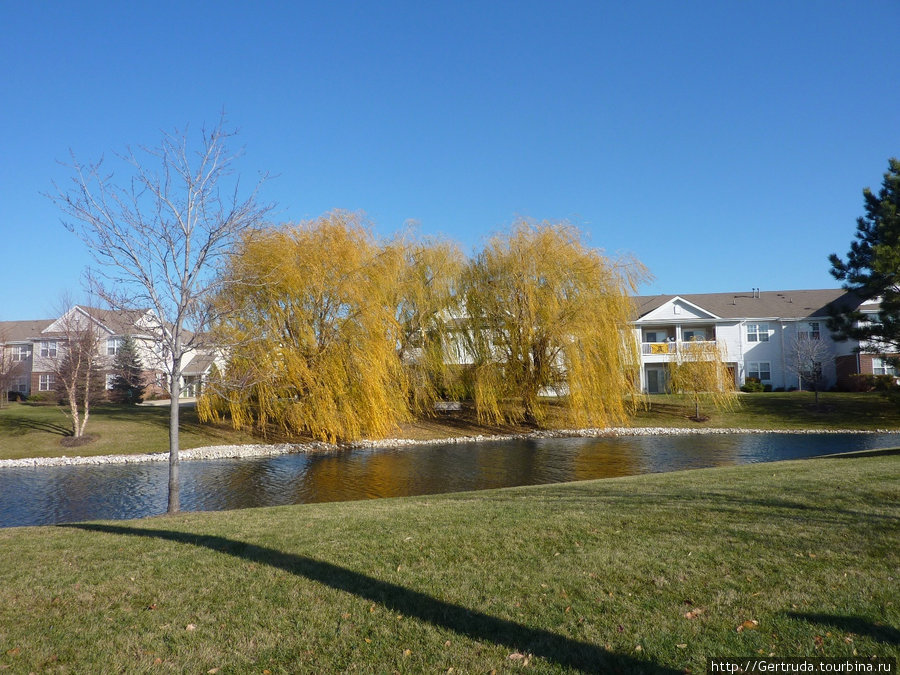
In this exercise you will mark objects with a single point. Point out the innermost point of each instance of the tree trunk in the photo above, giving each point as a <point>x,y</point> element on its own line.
<point>174,396</point>
<point>73,409</point>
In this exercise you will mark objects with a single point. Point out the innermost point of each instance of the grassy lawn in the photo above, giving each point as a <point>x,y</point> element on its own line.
<point>793,410</point>
<point>40,431</point>
<point>642,574</point>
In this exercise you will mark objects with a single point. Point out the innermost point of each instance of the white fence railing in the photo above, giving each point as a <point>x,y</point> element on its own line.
<point>669,347</point>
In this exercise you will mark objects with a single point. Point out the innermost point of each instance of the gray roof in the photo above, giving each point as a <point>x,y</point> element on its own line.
<point>22,331</point>
<point>767,304</point>
<point>199,365</point>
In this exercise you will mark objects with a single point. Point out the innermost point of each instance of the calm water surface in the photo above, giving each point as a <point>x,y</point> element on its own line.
<point>43,496</point>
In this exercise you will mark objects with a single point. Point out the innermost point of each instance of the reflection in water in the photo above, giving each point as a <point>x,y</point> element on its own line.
<point>40,496</point>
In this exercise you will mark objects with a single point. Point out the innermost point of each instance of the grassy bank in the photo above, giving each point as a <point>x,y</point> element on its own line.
<point>791,410</point>
<point>41,431</point>
<point>647,574</point>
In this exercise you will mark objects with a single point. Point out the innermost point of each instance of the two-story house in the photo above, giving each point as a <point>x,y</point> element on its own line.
<point>757,330</point>
<point>33,350</point>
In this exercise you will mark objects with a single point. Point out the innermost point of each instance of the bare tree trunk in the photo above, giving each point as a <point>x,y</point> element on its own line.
<point>73,406</point>
<point>174,397</point>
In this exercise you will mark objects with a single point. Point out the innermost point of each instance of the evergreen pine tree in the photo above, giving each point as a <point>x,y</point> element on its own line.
<point>128,385</point>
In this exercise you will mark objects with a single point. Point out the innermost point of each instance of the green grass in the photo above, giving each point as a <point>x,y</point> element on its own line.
<point>644,574</point>
<point>793,410</point>
<point>40,431</point>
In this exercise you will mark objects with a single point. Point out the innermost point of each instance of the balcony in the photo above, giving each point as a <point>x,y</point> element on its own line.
<point>668,347</point>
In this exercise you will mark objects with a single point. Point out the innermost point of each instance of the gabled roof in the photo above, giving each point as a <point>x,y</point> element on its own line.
<point>22,331</point>
<point>798,304</point>
<point>199,365</point>
<point>113,322</point>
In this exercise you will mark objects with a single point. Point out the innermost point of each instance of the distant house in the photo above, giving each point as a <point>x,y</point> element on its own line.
<point>757,331</point>
<point>33,349</point>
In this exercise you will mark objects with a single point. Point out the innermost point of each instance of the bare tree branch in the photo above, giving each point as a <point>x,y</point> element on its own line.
<point>156,235</point>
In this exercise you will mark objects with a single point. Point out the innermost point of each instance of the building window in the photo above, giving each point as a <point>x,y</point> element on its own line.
<point>110,382</point>
<point>883,367</point>
<point>20,353</point>
<point>761,370</point>
<point>696,334</point>
<point>113,345</point>
<point>48,348</point>
<point>47,382</point>
<point>812,331</point>
<point>757,332</point>
<point>21,385</point>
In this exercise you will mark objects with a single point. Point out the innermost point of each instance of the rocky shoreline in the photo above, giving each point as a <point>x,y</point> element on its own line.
<point>260,450</point>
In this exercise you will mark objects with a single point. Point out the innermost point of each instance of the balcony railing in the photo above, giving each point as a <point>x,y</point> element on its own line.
<point>669,347</point>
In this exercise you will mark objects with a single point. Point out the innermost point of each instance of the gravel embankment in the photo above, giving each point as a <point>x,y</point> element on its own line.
<point>258,450</point>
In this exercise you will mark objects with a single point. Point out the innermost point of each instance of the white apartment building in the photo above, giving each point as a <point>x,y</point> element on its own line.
<point>757,331</point>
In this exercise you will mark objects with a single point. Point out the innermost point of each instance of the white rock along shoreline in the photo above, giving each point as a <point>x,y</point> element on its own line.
<point>261,450</point>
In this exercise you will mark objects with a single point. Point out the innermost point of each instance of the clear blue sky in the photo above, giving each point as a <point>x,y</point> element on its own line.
<point>723,143</point>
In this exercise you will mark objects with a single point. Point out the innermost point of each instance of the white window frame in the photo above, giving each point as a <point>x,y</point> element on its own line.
<point>881,366</point>
<point>21,385</point>
<point>49,348</point>
<point>755,369</point>
<point>757,332</point>
<point>20,352</point>
<point>113,346</point>
<point>813,331</point>
<point>46,382</point>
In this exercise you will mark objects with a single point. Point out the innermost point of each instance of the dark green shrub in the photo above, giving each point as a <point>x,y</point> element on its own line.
<point>752,385</point>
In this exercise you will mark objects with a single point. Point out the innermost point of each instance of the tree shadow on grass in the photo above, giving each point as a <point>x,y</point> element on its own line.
<point>561,650</point>
<point>853,624</point>
<point>20,426</point>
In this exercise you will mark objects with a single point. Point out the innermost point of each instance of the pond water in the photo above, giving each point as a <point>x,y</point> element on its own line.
<point>43,496</point>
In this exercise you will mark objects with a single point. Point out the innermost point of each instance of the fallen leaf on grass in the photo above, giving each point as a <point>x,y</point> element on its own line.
<point>516,656</point>
<point>15,651</point>
<point>212,671</point>
<point>681,646</point>
<point>407,652</point>
<point>190,627</point>
<point>694,613</point>
<point>749,624</point>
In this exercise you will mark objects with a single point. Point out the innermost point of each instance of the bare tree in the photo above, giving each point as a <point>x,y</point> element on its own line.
<point>77,366</point>
<point>807,357</point>
<point>157,235</point>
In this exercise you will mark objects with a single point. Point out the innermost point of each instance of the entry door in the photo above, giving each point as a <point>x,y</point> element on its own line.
<point>654,381</point>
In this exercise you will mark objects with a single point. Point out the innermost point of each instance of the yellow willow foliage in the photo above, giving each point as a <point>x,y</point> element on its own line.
<point>312,332</point>
<point>548,314</point>
<point>425,298</point>
<point>699,372</point>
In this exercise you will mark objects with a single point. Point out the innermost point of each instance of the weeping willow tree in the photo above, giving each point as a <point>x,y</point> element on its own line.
<point>699,372</point>
<point>548,315</point>
<point>424,301</point>
<point>331,333</point>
